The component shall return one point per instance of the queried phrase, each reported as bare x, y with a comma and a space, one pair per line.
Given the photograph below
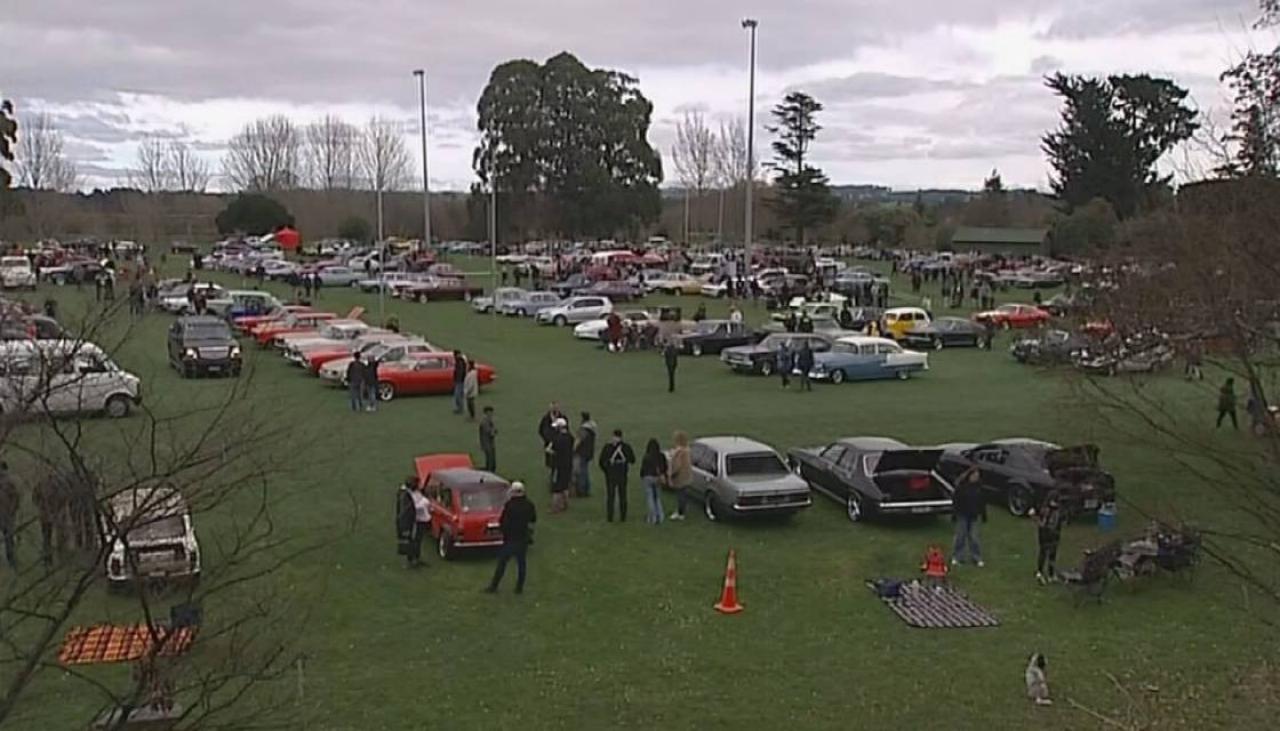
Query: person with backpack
653, 473
616, 459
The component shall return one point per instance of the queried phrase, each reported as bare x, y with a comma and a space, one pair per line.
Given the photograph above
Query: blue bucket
1107, 517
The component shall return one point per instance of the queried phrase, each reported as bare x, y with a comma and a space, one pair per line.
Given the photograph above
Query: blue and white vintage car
863, 358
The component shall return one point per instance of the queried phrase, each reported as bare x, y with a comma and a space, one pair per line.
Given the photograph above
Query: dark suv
203, 344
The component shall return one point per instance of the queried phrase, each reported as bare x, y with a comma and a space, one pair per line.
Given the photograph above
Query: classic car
55, 377
1022, 473
529, 305
713, 336
279, 270
500, 296
150, 535
241, 303
317, 358
616, 291
1034, 279
325, 330
1014, 316
18, 325
293, 323
1143, 353
575, 310
203, 344
565, 287
1052, 347
945, 332
864, 358
72, 271
436, 289
246, 323
815, 310
430, 374
876, 476
715, 288
176, 299
897, 321
386, 281
465, 503
1063, 304
595, 330
761, 357
334, 371
825, 325
737, 476
335, 333
16, 272
675, 283
337, 276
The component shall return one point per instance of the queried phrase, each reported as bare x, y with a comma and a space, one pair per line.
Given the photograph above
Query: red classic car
247, 323
428, 374
465, 503
297, 322
435, 289
1014, 316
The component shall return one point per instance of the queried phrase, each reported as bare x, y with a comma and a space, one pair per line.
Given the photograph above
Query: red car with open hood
466, 503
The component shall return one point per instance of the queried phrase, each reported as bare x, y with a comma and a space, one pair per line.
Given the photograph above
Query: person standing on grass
10, 499
1227, 404
421, 524
516, 524
488, 440
653, 473
471, 389
783, 362
547, 432
804, 364
562, 465
370, 383
735, 315
616, 459
355, 383
671, 356
583, 451
459, 378
680, 473
1049, 523
969, 505
406, 519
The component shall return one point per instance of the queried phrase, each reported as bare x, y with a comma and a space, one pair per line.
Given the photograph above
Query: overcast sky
918, 93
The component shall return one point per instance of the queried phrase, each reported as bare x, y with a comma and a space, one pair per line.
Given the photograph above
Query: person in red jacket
934, 566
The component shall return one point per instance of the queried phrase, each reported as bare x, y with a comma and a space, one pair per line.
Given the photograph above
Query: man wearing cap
518, 516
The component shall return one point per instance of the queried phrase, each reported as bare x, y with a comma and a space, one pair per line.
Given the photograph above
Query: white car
176, 302
594, 329
673, 283
16, 272
501, 296
334, 372
574, 310
54, 377
338, 276
151, 536
336, 334
715, 290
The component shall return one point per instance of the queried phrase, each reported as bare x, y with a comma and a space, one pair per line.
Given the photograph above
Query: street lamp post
493, 228
750, 24
382, 257
426, 182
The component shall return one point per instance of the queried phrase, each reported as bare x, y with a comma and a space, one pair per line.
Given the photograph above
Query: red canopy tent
288, 238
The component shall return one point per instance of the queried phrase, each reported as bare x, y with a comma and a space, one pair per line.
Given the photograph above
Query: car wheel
444, 546
1020, 500
386, 391
937, 344
711, 507
903, 374
853, 508
59, 281
419, 298
560, 321
521, 313
696, 350
766, 368
837, 376
117, 407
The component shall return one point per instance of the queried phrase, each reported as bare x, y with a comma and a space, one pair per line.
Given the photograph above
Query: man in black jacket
406, 518
547, 432
370, 383
459, 376
355, 383
804, 364
616, 459
518, 517
968, 506
671, 355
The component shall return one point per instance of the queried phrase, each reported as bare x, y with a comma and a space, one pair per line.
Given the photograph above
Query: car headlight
235, 351
190, 353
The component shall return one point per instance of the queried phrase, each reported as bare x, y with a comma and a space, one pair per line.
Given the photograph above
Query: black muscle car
944, 332
713, 336
875, 476
1053, 347
1022, 473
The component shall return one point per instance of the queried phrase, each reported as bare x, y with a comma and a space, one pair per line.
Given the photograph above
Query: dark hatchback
200, 344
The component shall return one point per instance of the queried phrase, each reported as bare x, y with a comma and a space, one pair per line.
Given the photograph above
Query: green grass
616, 628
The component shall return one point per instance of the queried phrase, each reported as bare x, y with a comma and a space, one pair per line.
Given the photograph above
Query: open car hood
899, 460
1062, 460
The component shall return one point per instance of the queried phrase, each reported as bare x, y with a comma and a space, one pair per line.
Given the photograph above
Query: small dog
1038, 680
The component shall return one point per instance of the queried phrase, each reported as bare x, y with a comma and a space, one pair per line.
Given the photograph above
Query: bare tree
331, 153
188, 172
384, 158
694, 157
264, 156
41, 160
729, 159
150, 172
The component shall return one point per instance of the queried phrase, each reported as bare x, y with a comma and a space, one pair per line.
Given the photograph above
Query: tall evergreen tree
1255, 119
803, 196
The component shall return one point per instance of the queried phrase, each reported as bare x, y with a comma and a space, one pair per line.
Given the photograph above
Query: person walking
562, 465
784, 361
516, 524
680, 473
616, 459
804, 364
671, 356
355, 383
471, 389
370, 383
653, 473
1227, 403
488, 440
459, 379
9, 502
584, 450
1195, 358
1049, 523
969, 505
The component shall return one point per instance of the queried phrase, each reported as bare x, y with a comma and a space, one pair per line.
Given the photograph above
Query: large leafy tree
574, 136
1113, 133
803, 196
254, 214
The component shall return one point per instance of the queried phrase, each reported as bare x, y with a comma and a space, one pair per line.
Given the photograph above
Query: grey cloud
876, 85
1110, 18
1041, 65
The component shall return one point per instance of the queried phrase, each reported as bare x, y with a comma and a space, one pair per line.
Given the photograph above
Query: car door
706, 468
992, 468
846, 472
821, 469
432, 375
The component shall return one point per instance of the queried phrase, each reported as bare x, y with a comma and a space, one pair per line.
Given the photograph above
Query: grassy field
616, 628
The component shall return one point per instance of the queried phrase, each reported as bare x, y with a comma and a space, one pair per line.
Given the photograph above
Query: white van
151, 536
16, 272
60, 377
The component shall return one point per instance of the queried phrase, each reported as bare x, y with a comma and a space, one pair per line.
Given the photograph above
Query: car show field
616, 627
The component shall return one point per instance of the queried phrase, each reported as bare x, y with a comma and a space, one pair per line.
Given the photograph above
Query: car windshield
773, 342
484, 498
170, 526
209, 331
14, 261
764, 464
706, 327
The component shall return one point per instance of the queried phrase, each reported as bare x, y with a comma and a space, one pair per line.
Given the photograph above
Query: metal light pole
493, 228
426, 181
382, 257
750, 24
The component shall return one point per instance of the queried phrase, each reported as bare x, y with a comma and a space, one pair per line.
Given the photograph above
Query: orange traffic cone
728, 603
